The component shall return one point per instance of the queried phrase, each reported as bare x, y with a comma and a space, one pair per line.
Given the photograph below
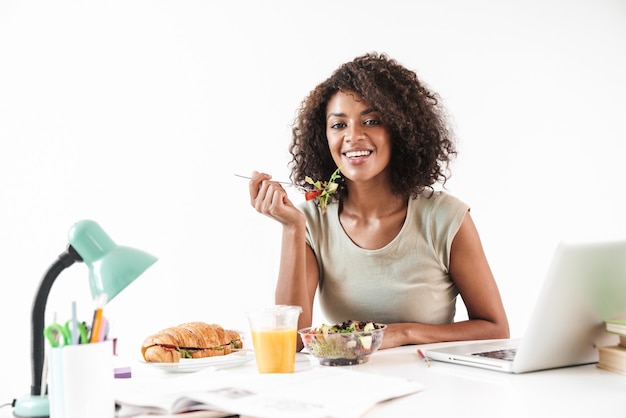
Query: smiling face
358, 139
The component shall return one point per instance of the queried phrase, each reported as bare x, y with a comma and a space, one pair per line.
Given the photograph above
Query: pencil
423, 357
97, 322
97, 319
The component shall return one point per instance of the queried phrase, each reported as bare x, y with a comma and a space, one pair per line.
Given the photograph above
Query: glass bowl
345, 344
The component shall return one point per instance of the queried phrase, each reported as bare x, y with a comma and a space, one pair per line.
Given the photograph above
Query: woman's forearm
291, 286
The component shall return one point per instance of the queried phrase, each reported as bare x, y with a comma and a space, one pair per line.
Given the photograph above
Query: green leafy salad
350, 342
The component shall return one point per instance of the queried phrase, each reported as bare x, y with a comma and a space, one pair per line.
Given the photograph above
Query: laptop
585, 285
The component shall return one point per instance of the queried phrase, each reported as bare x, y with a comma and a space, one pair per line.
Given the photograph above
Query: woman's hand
394, 336
270, 198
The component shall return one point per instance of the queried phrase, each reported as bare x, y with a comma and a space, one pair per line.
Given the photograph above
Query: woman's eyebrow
340, 115
365, 112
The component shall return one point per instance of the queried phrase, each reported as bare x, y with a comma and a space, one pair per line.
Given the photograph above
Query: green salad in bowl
348, 343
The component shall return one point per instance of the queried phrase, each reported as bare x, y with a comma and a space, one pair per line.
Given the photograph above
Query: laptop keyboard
505, 354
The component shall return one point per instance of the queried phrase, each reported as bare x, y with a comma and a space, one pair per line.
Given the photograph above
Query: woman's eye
337, 125
372, 122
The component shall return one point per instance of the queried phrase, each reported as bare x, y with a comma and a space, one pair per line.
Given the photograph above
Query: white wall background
137, 113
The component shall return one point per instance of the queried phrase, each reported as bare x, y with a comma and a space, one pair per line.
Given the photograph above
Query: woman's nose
353, 133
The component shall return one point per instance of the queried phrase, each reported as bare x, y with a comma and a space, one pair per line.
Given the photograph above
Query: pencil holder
81, 381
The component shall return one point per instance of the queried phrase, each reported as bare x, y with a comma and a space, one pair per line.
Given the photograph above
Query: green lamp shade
111, 267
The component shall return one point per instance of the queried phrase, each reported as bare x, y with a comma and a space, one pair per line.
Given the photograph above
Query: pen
104, 325
75, 335
423, 357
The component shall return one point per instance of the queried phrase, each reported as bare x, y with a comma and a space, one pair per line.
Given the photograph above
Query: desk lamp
111, 269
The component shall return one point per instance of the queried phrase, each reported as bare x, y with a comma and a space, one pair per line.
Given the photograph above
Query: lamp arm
69, 257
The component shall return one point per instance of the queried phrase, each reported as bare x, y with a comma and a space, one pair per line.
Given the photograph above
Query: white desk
466, 392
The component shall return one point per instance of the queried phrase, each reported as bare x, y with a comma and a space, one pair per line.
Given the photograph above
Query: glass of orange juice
274, 337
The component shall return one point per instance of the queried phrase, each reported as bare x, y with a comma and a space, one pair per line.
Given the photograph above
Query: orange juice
275, 349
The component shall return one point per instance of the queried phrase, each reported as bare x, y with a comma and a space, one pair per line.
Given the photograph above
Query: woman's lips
355, 154
357, 157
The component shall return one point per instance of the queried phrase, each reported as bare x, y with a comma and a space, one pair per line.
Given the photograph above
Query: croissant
190, 340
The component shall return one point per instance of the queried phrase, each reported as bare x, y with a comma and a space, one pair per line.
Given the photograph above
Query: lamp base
32, 406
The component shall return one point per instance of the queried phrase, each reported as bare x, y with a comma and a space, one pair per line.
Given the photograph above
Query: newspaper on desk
319, 392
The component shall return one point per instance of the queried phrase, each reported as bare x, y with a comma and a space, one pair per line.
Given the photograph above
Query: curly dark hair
422, 142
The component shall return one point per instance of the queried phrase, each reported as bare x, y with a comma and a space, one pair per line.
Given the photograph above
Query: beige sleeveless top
405, 281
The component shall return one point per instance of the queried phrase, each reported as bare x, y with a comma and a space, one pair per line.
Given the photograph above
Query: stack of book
613, 357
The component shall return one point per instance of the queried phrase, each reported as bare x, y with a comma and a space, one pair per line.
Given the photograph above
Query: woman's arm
298, 271
472, 275
297, 277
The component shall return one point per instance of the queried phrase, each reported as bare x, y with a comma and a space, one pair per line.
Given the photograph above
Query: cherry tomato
312, 194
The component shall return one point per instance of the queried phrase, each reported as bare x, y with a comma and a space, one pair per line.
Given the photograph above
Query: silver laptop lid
585, 285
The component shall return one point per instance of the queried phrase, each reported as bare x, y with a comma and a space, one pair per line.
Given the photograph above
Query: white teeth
351, 154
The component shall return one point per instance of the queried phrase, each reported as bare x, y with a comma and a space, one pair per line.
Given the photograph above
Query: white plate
188, 365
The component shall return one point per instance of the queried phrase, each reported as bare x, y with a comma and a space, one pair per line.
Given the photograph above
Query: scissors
61, 335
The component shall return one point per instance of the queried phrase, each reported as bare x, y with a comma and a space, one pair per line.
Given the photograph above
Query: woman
387, 247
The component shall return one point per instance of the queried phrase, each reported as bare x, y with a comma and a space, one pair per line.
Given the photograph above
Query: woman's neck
372, 201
